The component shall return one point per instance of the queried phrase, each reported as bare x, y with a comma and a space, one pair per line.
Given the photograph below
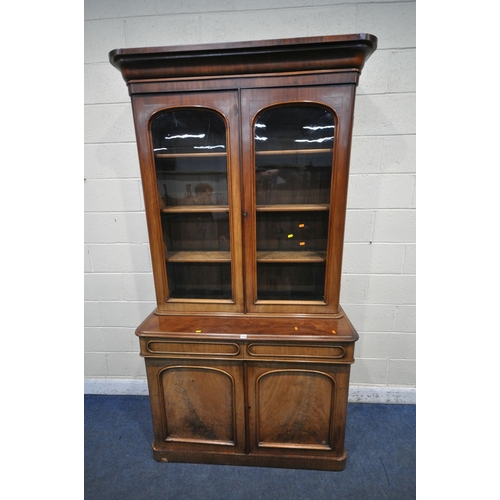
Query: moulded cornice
337, 52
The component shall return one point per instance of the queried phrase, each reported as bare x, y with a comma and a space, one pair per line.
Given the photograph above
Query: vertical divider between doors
243, 202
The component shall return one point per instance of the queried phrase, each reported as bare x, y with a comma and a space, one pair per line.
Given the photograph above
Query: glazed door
295, 161
189, 148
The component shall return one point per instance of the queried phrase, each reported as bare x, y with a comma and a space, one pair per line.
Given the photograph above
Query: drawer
187, 348
300, 352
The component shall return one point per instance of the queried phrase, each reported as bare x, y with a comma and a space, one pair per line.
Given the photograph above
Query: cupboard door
300, 408
293, 169
197, 405
191, 177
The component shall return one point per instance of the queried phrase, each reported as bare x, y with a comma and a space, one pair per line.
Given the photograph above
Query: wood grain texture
252, 327
245, 365
240, 58
199, 404
294, 409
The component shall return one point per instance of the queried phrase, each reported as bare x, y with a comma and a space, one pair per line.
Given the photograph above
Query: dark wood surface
254, 327
240, 58
243, 206
278, 404
241, 380
247, 390
145, 107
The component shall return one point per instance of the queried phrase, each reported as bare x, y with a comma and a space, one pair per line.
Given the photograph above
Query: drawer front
258, 351
300, 352
168, 348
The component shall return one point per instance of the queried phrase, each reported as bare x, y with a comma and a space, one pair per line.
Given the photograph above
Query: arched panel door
294, 222
297, 407
199, 404
305, 398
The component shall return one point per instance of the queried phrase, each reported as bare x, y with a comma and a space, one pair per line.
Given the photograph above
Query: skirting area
357, 393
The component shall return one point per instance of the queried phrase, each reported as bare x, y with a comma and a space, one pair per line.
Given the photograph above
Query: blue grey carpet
380, 443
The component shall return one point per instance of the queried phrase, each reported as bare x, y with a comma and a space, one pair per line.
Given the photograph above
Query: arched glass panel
190, 157
191, 171
293, 147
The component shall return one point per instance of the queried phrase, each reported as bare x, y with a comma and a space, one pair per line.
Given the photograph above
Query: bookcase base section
267, 399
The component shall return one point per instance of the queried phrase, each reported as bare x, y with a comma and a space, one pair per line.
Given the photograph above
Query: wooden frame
228, 376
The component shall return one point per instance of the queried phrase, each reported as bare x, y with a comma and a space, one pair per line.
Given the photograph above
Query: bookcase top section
325, 53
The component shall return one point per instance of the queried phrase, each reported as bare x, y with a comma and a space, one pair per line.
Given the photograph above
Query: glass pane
291, 252
292, 231
290, 281
293, 155
188, 130
196, 231
293, 166
198, 280
190, 157
191, 171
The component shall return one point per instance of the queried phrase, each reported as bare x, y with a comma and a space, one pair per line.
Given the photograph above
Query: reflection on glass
188, 130
189, 147
293, 155
190, 157
293, 175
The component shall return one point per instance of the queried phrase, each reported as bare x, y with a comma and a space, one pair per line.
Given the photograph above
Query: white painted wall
378, 287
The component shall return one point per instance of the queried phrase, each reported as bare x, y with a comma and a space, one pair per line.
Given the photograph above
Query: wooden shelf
190, 155
289, 207
293, 152
294, 257
199, 256
301, 256
189, 209
191, 174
